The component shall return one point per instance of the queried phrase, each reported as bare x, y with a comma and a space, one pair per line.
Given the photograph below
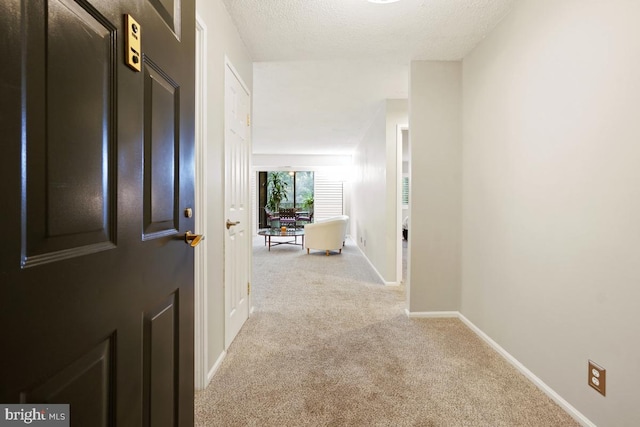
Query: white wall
340, 163
551, 200
433, 265
222, 39
369, 192
374, 199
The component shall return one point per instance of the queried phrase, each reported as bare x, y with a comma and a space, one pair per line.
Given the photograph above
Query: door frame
399, 143
249, 233
201, 315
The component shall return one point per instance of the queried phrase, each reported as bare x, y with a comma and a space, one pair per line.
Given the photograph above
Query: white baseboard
573, 412
373, 266
215, 367
430, 314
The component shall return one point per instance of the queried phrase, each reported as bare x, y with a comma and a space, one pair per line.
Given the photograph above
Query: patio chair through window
287, 217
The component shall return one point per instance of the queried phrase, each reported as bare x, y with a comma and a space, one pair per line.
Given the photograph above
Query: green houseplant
276, 189
307, 202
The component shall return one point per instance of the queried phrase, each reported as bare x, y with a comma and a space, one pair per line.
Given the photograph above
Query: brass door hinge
248, 120
248, 288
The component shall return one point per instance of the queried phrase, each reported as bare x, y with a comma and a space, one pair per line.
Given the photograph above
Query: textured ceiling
323, 66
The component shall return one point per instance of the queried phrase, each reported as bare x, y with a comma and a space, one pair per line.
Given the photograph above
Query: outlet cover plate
597, 378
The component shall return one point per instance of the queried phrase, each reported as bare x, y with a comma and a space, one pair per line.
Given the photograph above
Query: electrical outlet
597, 378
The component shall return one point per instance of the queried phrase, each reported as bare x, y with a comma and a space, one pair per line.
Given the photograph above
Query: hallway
328, 344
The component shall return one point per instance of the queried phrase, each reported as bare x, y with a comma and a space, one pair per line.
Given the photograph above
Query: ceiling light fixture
382, 1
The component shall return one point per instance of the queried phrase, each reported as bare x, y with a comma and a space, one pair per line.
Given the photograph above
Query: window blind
405, 191
328, 198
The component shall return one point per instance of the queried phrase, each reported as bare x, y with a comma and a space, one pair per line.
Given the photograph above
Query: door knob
232, 223
193, 239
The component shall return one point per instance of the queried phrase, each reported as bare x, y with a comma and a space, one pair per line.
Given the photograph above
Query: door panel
161, 148
169, 11
69, 96
78, 119
96, 281
160, 367
87, 382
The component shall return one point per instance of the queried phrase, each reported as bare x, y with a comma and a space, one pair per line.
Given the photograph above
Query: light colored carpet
329, 345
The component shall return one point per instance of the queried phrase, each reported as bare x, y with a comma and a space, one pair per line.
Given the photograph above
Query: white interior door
236, 251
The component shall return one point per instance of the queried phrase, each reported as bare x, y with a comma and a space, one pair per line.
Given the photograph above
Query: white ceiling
323, 67
319, 107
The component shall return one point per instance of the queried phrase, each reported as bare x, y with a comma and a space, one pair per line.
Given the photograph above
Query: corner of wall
435, 185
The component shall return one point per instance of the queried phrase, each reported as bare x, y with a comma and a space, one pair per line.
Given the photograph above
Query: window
303, 189
405, 191
320, 193
294, 189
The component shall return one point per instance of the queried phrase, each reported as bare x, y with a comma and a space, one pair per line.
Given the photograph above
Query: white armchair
326, 235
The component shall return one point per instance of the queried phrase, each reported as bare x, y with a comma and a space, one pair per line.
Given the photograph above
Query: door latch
193, 240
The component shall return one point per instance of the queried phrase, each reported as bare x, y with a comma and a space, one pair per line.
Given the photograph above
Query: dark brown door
96, 171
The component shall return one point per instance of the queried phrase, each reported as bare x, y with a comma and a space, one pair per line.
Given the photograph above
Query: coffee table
275, 232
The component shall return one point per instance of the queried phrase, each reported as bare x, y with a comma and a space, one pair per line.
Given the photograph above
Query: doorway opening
403, 174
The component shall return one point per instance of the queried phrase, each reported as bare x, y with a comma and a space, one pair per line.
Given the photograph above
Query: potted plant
307, 203
277, 190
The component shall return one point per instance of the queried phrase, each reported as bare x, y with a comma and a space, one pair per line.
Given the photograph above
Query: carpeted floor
329, 345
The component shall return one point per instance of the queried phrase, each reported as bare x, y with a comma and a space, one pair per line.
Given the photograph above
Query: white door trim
201, 342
